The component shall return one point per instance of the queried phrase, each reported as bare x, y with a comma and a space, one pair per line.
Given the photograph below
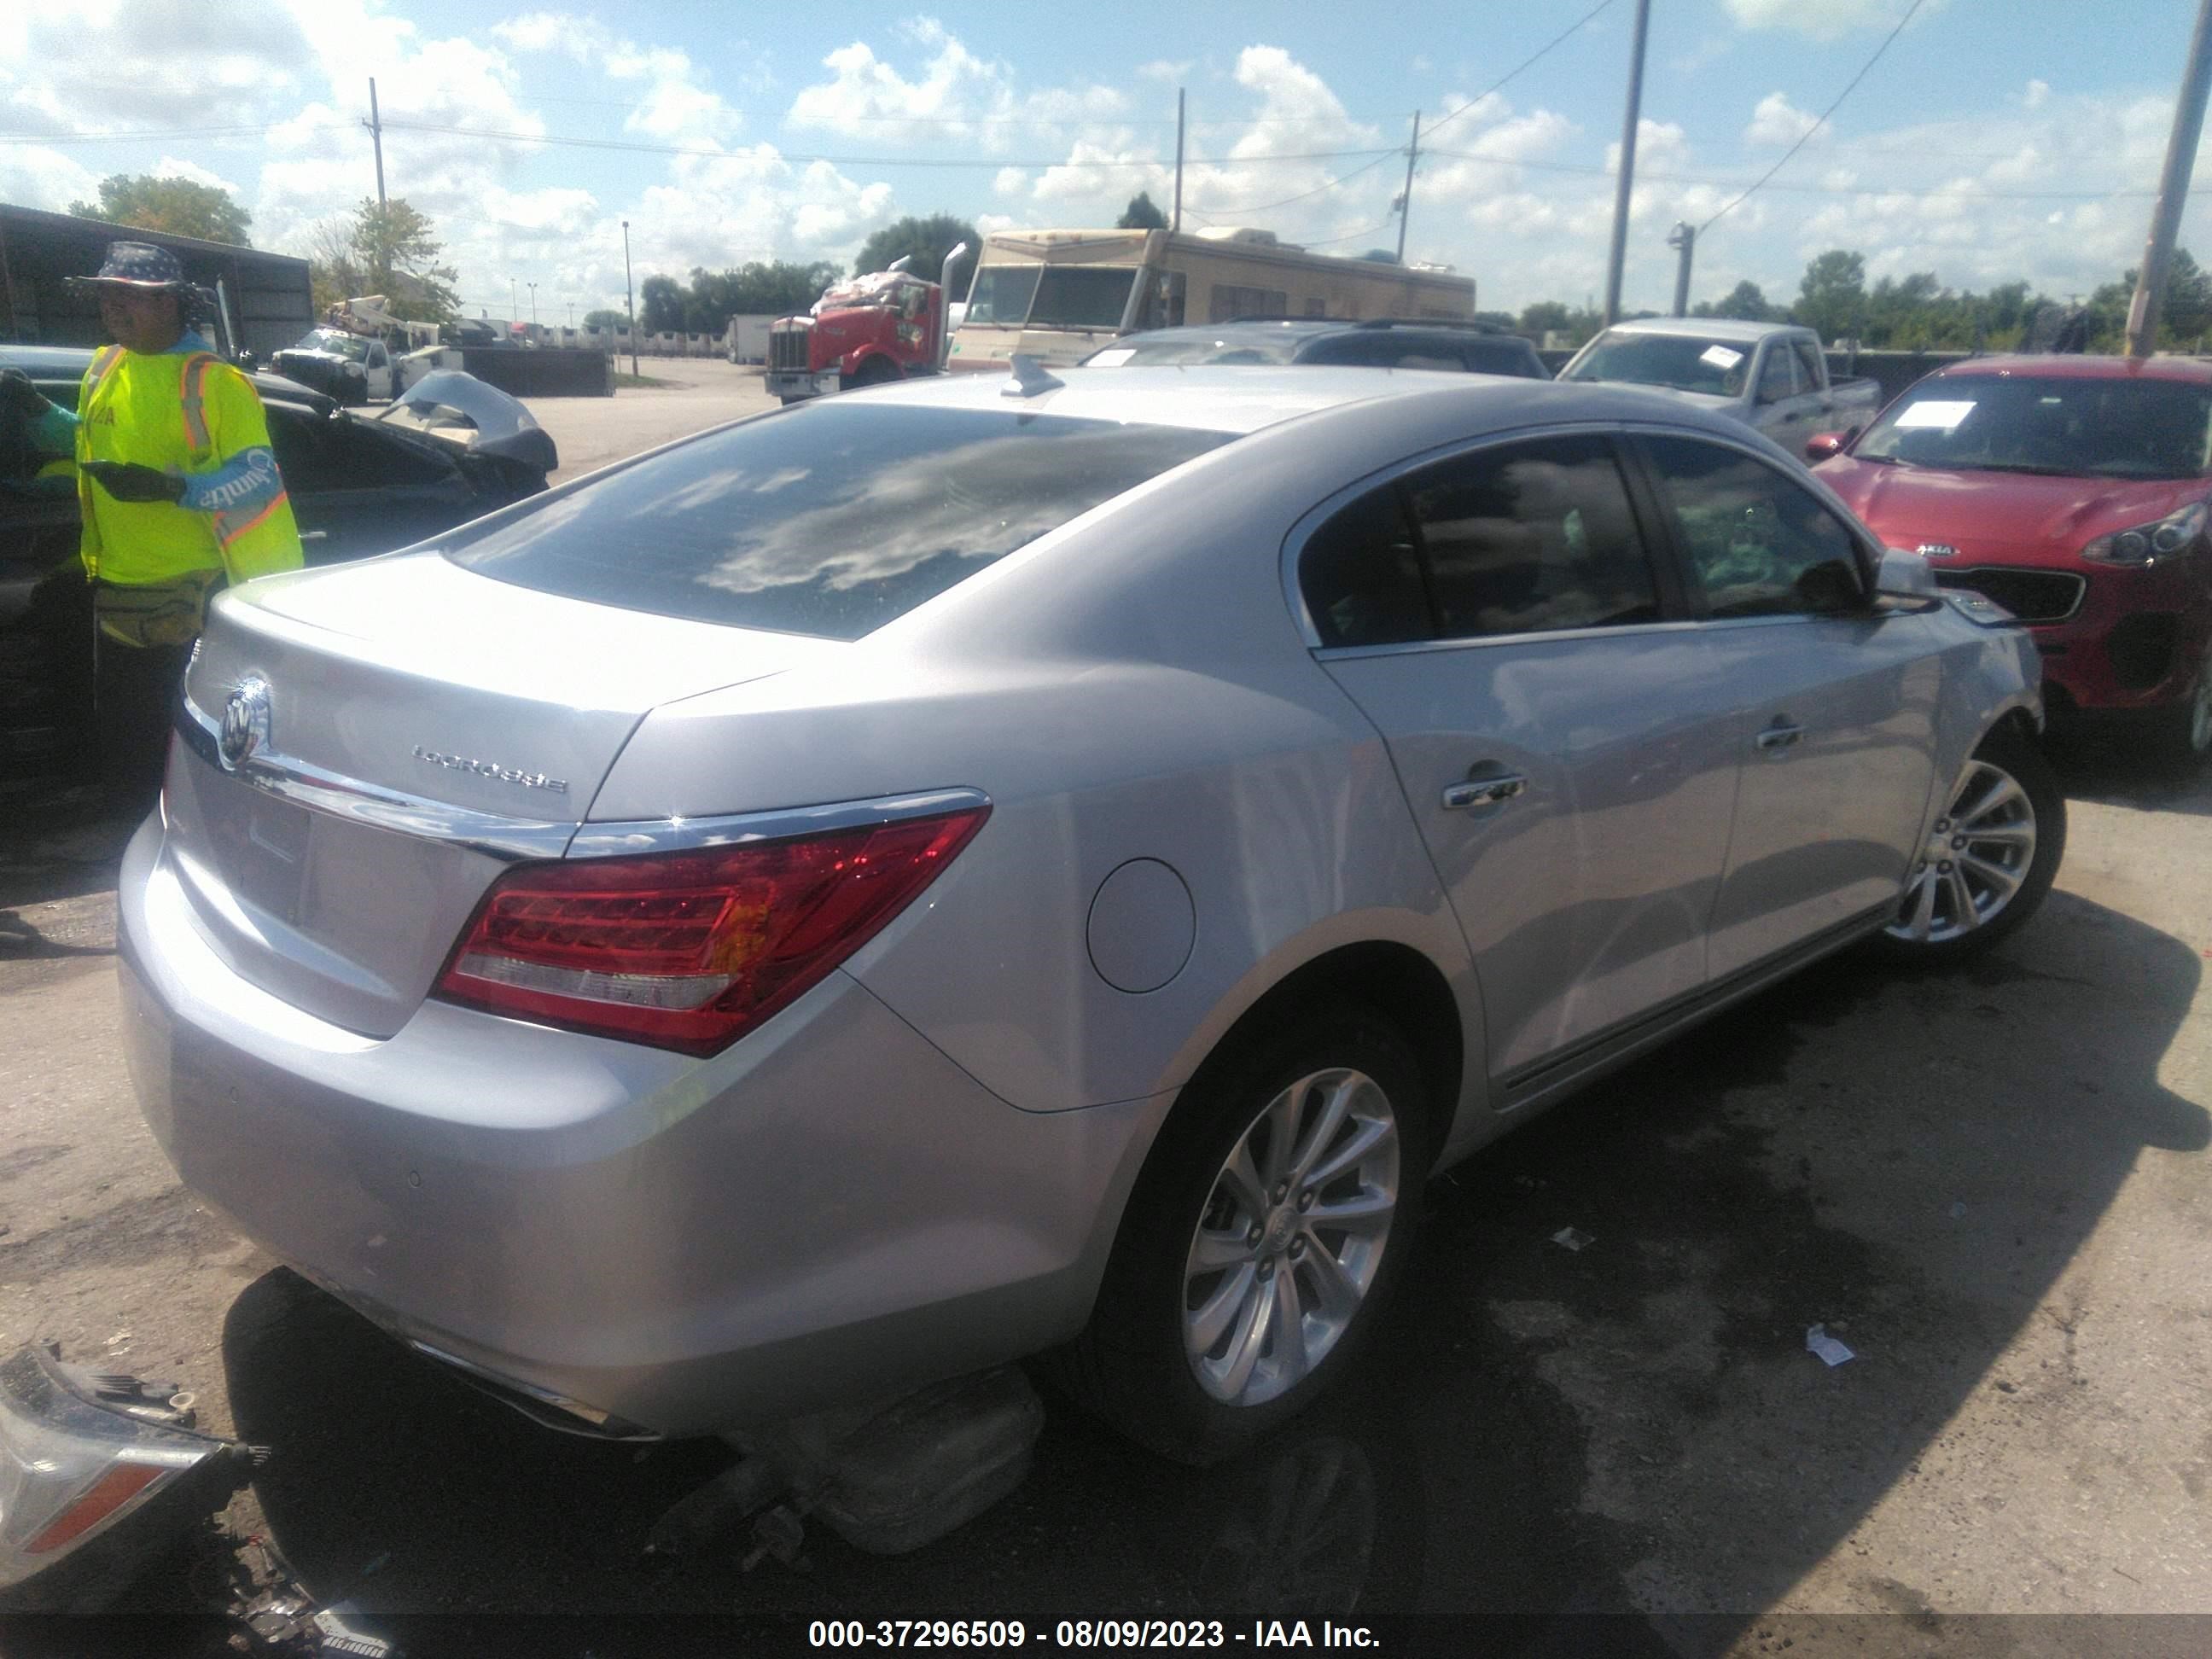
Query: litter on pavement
1573, 1238
1832, 1352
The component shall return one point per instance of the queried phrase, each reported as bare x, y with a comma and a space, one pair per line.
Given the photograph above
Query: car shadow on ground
2106, 764
1632, 1428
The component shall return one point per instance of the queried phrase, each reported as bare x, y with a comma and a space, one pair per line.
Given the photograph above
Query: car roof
2066, 366
1245, 398
1702, 328
70, 362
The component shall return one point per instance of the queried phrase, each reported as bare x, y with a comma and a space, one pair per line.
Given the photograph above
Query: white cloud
36, 176
1824, 19
2038, 95
1779, 123
1164, 70
170, 168
864, 93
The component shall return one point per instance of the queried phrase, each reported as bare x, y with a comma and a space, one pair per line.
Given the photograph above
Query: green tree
1831, 296
660, 306
1549, 316
928, 240
334, 269
605, 318
2184, 319
1745, 302
1142, 214
177, 206
398, 253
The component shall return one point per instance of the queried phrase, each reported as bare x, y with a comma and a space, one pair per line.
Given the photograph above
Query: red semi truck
885, 326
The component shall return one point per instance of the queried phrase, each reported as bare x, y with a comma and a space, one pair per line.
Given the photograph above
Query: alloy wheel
1291, 1237
1977, 856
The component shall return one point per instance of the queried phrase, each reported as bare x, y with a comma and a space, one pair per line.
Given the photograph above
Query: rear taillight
691, 951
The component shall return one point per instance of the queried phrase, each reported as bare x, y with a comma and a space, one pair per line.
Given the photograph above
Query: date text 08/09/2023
1084, 1633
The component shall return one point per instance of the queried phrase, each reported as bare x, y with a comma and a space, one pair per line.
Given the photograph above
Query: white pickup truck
1768, 376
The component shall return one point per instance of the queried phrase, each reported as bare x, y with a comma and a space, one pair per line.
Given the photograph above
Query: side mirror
1826, 446
1905, 575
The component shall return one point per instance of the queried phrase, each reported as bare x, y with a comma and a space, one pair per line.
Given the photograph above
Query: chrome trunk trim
323, 790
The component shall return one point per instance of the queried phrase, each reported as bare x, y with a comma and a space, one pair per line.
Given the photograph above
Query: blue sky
1992, 143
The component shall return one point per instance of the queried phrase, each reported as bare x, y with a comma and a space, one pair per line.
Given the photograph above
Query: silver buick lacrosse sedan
995, 868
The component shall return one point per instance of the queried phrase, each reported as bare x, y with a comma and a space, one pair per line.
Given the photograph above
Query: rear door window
1521, 539
1531, 538
831, 518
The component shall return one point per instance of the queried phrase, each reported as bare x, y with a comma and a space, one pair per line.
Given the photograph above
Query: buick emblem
1936, 550
246, 722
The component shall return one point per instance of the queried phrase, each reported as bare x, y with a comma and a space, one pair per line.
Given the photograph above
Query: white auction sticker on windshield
1720, 357
1112, 359
1931, 413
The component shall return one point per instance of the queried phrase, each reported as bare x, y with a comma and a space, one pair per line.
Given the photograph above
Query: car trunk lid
415, 728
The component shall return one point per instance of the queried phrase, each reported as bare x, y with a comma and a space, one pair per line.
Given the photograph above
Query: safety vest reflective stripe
230, 526
191, 393
106, 360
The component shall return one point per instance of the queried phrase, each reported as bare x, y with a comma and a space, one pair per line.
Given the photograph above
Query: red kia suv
2072, 491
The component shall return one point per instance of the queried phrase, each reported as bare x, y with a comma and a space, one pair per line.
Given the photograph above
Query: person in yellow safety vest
179, 492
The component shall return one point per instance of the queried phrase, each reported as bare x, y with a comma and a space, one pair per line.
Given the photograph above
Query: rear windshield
2069, 427
831, 519
1143, 350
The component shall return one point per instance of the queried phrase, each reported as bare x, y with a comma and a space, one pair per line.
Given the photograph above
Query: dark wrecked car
449, 450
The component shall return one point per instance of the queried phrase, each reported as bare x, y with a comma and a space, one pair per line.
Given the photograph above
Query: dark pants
134, 699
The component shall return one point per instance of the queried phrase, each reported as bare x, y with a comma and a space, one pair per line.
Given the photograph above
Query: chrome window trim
1491, 641
1301, 532
321, 790
680, 834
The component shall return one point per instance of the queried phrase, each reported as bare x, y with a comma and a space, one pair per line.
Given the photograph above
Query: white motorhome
1058, 295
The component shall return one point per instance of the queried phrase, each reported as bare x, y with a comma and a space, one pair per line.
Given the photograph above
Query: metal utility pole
1613, 262
1406, 201
1684, 237
630, 298
1176, 222
532, 286
2173, 191
375, 125
514, 299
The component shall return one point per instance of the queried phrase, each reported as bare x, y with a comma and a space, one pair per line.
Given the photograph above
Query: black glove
127, 481
18, 397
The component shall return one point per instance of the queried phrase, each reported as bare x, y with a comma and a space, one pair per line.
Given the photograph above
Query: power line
1823, 119
1262, 207
1528, 63
802, 158
1940, 193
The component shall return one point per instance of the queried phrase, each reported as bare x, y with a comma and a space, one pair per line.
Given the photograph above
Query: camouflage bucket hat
137, 264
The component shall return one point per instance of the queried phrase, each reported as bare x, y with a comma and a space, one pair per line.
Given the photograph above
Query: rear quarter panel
1129, 687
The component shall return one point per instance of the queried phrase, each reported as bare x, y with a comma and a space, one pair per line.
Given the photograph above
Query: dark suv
1385, 342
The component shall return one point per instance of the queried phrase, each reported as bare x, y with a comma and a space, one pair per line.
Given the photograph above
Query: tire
1186, 1358
2180, 734
1991, 859
876, 371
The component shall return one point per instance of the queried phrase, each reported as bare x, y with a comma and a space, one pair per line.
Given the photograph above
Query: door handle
1778, 737
1494, 790
314, 535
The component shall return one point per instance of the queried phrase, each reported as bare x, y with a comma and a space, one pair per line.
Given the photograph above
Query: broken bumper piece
97, 1473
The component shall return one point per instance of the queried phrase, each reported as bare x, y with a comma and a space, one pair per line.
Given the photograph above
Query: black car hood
455, 406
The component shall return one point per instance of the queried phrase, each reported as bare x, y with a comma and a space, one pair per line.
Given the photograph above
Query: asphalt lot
1991, 1186
698, 392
